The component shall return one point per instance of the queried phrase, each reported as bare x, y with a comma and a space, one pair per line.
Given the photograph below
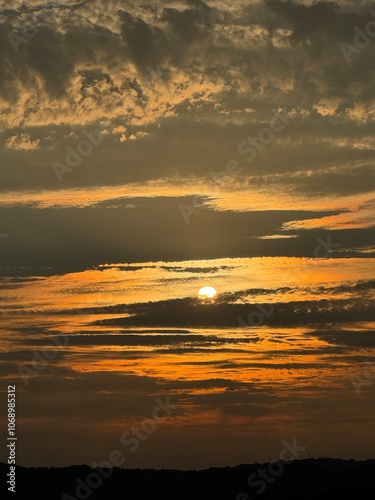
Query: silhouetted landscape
310, 479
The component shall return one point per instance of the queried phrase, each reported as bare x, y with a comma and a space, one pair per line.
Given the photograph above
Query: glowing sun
207, 292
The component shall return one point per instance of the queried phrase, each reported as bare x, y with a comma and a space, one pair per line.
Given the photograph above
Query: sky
149, 149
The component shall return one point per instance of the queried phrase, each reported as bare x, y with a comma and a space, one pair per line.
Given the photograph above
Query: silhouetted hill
320, 479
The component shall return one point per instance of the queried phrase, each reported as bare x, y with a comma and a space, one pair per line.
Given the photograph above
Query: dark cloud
353, 287
73, 239
144, 340
349, 338
315, 19
146, 44
189, 25
191, 313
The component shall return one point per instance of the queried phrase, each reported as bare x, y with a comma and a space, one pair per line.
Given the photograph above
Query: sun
207, 293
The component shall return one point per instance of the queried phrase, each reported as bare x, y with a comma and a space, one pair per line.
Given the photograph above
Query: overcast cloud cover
177, 88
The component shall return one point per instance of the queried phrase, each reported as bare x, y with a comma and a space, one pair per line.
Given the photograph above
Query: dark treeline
320, 479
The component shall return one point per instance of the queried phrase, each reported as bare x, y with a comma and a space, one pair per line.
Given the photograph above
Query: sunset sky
149, 149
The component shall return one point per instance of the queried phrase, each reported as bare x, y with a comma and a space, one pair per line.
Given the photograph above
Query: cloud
154, 340
347, 337
175, 89
21, 142
171, 74
190, 313
123, 231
